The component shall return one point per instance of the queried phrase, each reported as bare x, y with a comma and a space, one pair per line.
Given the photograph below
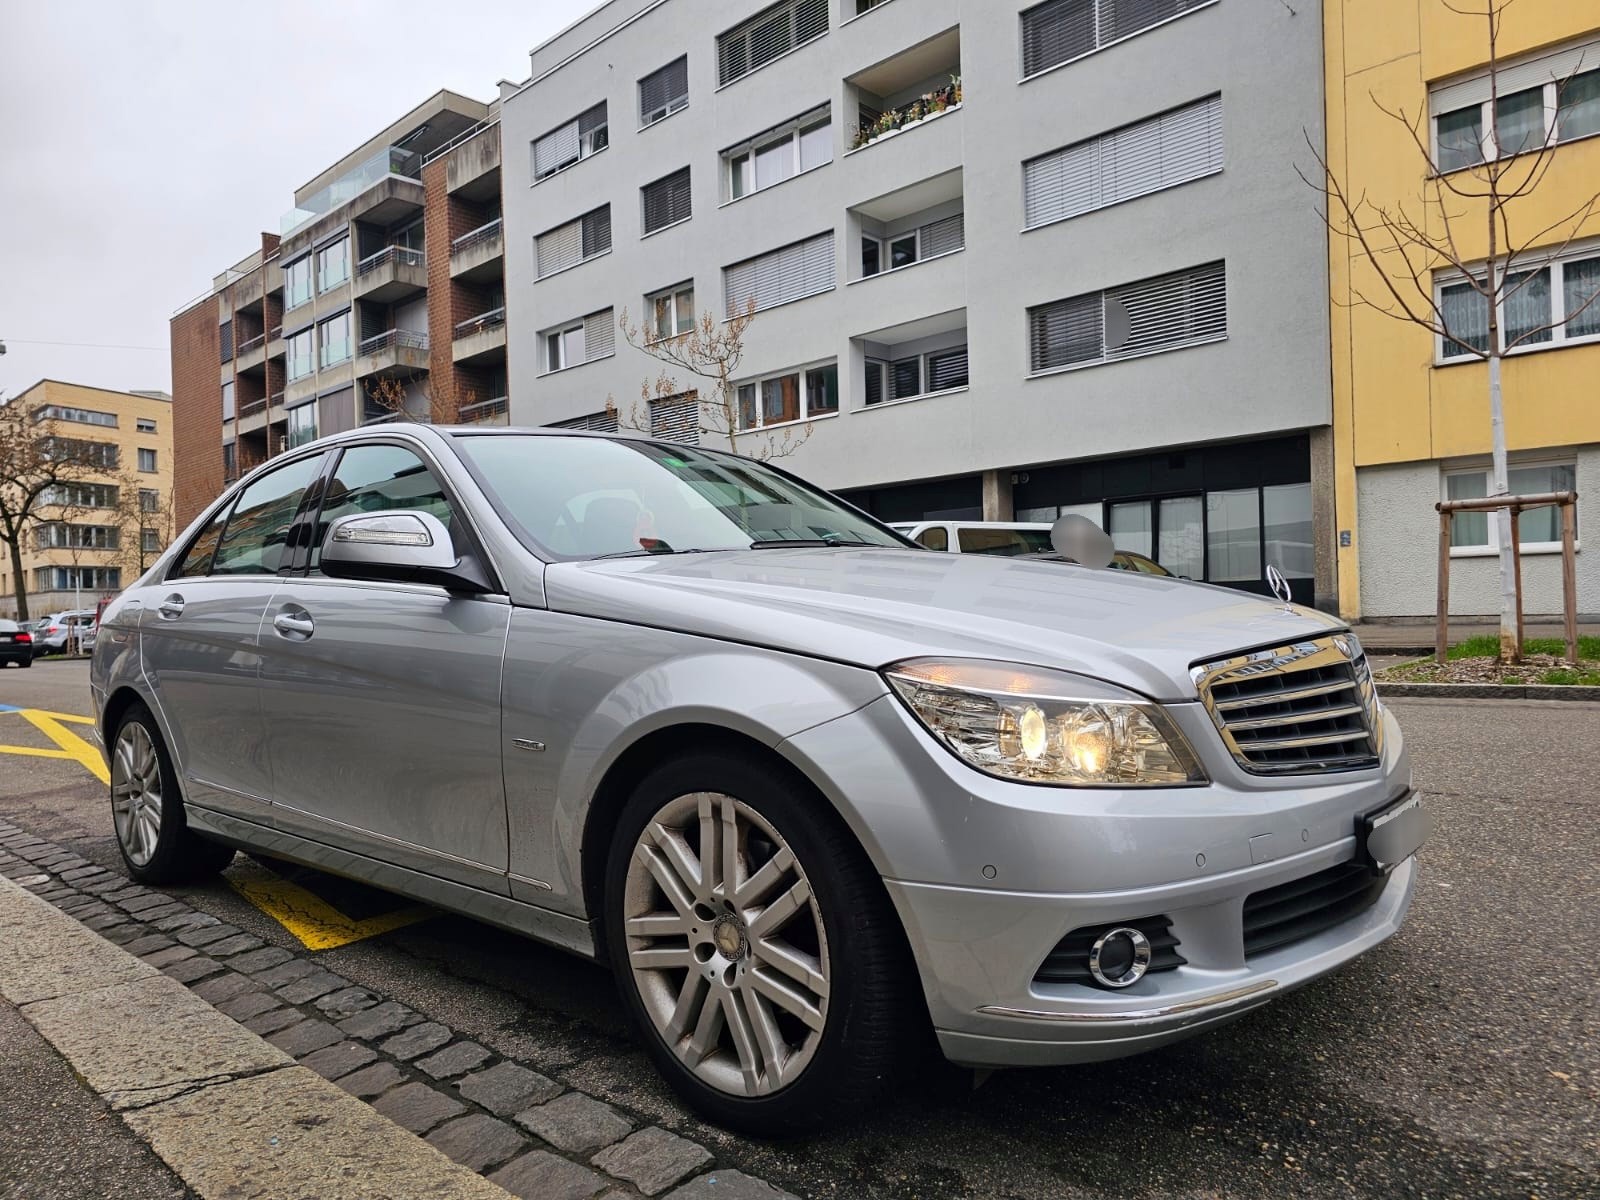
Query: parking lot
1461, 1058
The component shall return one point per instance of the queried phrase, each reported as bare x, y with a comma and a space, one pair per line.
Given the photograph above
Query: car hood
873, 607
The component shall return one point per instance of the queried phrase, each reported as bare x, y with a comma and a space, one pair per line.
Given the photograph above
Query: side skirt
558, 929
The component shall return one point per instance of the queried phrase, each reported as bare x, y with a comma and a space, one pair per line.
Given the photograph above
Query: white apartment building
1006, 260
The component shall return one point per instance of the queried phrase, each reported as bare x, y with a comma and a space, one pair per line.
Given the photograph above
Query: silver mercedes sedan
810, 790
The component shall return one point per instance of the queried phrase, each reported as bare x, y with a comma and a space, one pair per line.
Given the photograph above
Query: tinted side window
256, 541
197, 558
379, 479
935, 537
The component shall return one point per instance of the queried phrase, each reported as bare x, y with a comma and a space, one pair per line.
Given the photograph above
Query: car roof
977, 524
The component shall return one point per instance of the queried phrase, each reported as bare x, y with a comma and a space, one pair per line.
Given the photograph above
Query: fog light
1119, 957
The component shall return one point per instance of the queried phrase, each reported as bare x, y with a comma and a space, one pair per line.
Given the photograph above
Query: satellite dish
1080, 539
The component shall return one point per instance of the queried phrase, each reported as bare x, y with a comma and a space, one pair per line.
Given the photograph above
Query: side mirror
398, 547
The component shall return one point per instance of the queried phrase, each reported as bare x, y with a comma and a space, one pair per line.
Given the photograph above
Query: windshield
585, 497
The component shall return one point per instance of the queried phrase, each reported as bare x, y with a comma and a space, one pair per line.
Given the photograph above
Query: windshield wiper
659, 548
791, 543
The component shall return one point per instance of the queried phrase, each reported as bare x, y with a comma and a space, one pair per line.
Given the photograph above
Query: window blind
1530, 72
676, 418
1160, 152
569, 244
664, 91
666, 201
1183, 308
600, 422
1059, 31
943, 236
568, 143
769, 34
599, 335
947, 369
788, 273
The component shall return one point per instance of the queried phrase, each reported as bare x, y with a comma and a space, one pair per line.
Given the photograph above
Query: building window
79, 495
150, 498
663, 92
769, 34
230, 462
1059, 31
1159, 152
666, 201
80, 579
1185, 308
60, 535
302, 426
671, 312
791, 396
575, 242
101, 456
225, 341
150, 540
81, 416
301, 351
572, 142
1556, 305
579, 342
916, 375
1538, 528
604, 421
147, 460
676, 418
778, 154
789, 273
1543, 100
227, 401
145, 424
944, 236
334, 337
297, 282
333, 264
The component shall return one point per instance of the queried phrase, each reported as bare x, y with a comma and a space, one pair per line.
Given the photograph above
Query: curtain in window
1527, 307
1580, 286
1519, 122
1466, 316
1578, 113
1541, 524
1460, 137
1468, 528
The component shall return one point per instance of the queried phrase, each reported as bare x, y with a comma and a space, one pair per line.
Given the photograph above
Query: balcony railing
251, 407
395, 339
931, 104
274, 333
250, 344
275, 400
401, 256
482, 233
481, 322
391, 160
484, 410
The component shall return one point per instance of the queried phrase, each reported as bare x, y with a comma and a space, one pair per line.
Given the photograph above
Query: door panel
382, 709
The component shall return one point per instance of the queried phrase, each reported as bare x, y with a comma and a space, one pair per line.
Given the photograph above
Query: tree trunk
15, 546
1510, 644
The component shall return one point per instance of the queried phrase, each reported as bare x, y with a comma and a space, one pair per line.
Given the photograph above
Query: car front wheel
147, 809
755, 946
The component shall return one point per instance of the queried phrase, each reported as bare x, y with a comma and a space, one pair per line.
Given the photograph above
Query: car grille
1069, 961
1296, 710
1305, 907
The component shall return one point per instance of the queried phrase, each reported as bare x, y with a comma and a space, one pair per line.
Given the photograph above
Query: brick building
381, 297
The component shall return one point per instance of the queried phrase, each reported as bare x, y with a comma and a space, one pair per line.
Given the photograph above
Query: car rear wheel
147, 809
756, 950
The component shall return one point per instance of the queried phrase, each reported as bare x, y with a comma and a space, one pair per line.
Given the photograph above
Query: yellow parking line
72, 745
70, 718
312, 920
34, 751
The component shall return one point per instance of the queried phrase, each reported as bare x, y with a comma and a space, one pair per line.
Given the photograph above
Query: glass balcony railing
391, 160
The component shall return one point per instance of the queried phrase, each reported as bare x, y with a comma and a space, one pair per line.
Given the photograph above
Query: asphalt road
1460, 1059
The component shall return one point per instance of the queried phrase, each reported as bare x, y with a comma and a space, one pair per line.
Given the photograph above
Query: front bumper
989, 875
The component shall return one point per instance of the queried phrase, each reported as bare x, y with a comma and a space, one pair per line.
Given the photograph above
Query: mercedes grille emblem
1280, 587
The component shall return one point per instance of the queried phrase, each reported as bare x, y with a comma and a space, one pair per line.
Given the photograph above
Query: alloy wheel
136, 793
726, 944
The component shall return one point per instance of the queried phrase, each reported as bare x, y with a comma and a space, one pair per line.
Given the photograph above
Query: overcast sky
145, 145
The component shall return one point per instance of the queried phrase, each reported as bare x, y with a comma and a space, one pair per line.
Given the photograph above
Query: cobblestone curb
530, 1134
1488, 691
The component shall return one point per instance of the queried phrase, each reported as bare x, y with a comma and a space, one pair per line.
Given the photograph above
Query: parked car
62, 632
1010, 539
809, 790
1121, 560
16, 644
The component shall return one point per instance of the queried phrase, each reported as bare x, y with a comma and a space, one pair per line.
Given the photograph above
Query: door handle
294, 625
171, 608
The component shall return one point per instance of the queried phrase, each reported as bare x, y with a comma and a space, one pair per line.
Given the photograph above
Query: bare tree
35, 461
710, 351
1405, 242
140, 509
391, 395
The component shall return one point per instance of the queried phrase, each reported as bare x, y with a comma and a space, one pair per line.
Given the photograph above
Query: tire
746, 1044
147, 809
25, 663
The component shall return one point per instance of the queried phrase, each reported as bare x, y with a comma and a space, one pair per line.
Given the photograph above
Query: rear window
9, 627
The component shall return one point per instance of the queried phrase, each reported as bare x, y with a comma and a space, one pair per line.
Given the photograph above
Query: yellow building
1411, 410
99, 533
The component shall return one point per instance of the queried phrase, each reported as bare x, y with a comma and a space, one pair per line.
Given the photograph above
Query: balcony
485, 412
481, 337
251, 354
394, 352
912, 88
906, 227
402, 169
913, 360
391, 274
276, 346
479, 254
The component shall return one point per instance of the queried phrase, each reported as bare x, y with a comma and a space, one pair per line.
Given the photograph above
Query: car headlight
1042, 726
